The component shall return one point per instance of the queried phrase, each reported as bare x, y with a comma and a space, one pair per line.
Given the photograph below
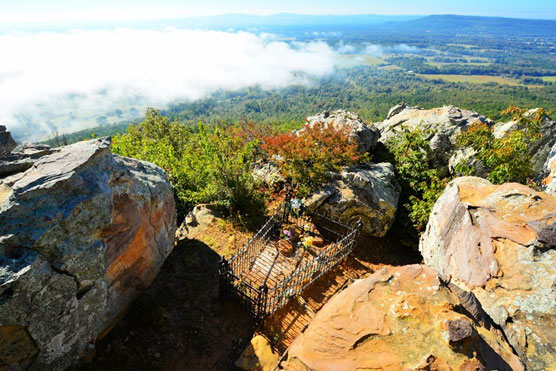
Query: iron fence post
224, 277
263, 294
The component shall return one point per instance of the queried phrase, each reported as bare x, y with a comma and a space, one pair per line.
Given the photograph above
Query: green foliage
420, 182
203, 164
506, 159
306, 159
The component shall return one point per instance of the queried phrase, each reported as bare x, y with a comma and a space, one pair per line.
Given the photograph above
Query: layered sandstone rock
400, 318
499, 242
366, 192
366, 135
82, 233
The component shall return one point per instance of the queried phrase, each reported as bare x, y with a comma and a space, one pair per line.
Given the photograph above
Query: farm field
473, 79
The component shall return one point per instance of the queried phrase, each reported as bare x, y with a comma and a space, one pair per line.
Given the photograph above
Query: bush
420, 182
307, 157
204, 165
506, 159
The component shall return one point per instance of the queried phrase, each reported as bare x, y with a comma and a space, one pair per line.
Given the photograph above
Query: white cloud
47, 74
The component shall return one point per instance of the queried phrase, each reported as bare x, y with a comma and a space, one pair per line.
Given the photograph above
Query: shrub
203, 164
307, 157
506, 159
420, 182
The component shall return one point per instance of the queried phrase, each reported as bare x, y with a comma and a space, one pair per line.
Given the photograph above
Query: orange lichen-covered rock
500, 243
82, 233
400, 318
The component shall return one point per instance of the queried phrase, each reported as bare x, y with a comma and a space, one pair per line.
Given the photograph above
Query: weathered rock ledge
499, 242
82, 233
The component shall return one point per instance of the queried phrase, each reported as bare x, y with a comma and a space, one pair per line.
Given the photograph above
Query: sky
23, 11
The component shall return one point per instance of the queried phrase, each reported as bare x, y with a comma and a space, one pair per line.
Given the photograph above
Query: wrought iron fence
262, 299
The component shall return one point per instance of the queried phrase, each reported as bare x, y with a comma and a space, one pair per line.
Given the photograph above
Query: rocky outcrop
539, 150
7, 143
366, 135
400, 318
499, 243
549, 173
82, 233
258, 356
17, 162
444, 123
268, 173
367, 192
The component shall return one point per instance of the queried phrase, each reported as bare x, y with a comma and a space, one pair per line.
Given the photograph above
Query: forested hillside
368, 90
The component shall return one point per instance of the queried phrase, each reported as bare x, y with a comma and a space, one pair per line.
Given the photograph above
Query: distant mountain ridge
475, 25
446, 24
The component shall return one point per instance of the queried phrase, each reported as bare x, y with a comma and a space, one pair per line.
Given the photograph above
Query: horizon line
42, 21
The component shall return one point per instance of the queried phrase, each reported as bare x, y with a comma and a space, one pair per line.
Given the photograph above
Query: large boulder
499, 242
539, 150
366, 135
367, 192
549, 173
444, 122
82, 233
7, 143
400, 318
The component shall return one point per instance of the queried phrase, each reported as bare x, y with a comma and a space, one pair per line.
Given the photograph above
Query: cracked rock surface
499, 243
399, 318
82, 233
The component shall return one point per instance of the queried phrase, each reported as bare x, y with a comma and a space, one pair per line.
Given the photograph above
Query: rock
13, 164
7, 143
398, 318
17, 162
396, 109
549, 173
458, 330
539, 150
499, 242
258, 356
368, 192
197, 221
268, 173
366, 135
82, 233
17, 349
35, 150
203, 215
447, 121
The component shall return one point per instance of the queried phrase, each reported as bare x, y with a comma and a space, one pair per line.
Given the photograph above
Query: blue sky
16, 11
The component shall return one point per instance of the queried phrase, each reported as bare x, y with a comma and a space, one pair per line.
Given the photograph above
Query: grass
473, 79
549, 78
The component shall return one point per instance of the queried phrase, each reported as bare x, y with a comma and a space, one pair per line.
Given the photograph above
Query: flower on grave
308, 242
307, 227
287, 234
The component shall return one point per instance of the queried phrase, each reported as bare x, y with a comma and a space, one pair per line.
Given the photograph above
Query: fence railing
261, 300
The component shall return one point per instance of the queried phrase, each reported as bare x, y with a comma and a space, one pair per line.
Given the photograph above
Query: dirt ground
179, 323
